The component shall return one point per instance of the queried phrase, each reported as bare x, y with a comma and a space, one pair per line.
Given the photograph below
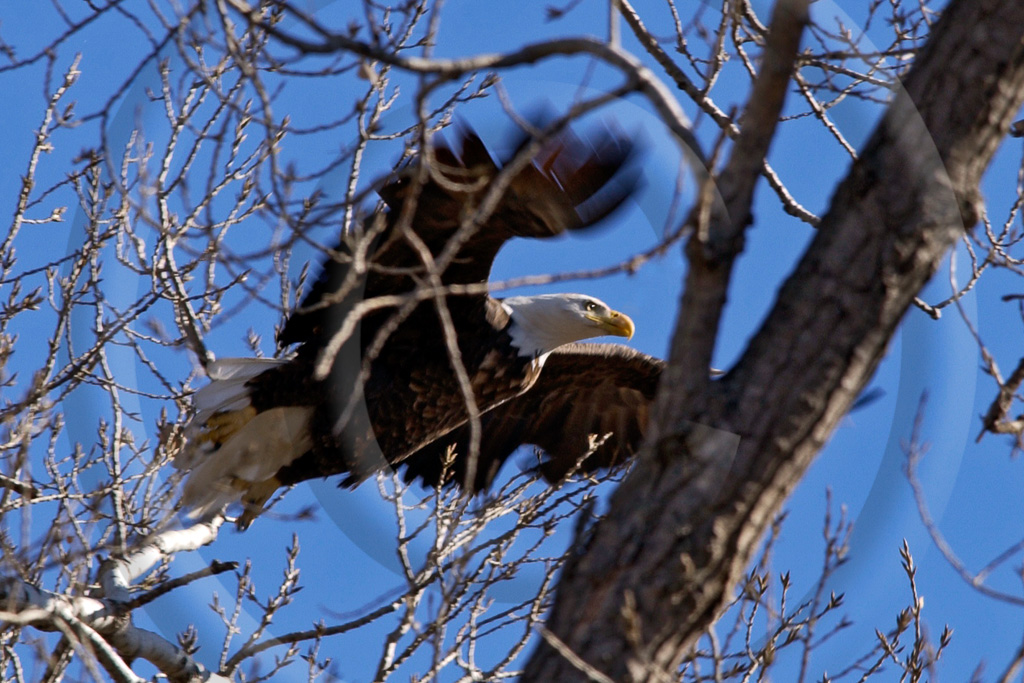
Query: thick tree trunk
683, 527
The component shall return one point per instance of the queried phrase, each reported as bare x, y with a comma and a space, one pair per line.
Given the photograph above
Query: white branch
104, 620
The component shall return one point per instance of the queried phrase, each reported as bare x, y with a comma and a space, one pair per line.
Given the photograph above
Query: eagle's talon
254, 499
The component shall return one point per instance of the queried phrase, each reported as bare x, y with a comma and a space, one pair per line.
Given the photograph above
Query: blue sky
972, 488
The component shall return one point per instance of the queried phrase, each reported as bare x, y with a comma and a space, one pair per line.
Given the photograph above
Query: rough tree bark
724, 456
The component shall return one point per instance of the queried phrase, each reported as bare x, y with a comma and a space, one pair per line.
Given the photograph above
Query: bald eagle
397, 352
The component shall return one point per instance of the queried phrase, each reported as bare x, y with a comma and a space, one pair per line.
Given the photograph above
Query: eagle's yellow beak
615, 323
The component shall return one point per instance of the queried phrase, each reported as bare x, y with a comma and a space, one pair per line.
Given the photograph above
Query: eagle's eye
590, 306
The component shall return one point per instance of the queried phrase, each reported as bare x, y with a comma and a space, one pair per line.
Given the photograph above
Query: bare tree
234, 139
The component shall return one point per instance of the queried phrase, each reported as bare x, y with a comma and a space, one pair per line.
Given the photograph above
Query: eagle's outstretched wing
585, 392
570, 185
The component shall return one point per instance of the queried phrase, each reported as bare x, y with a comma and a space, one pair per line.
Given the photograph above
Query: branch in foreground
104, 620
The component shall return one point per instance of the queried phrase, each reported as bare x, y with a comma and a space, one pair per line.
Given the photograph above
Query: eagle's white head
540, 324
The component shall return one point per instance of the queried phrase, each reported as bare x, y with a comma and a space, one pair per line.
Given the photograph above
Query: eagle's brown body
400, 383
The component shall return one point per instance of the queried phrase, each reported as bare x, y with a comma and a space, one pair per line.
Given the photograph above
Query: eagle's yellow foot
255, 498
222, 426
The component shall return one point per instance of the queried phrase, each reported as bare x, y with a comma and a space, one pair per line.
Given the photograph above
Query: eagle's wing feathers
585, 392
571, 185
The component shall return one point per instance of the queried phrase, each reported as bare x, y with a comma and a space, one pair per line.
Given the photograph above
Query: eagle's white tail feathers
219, 474
244, 368
225, 393
227, 390
265, 444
